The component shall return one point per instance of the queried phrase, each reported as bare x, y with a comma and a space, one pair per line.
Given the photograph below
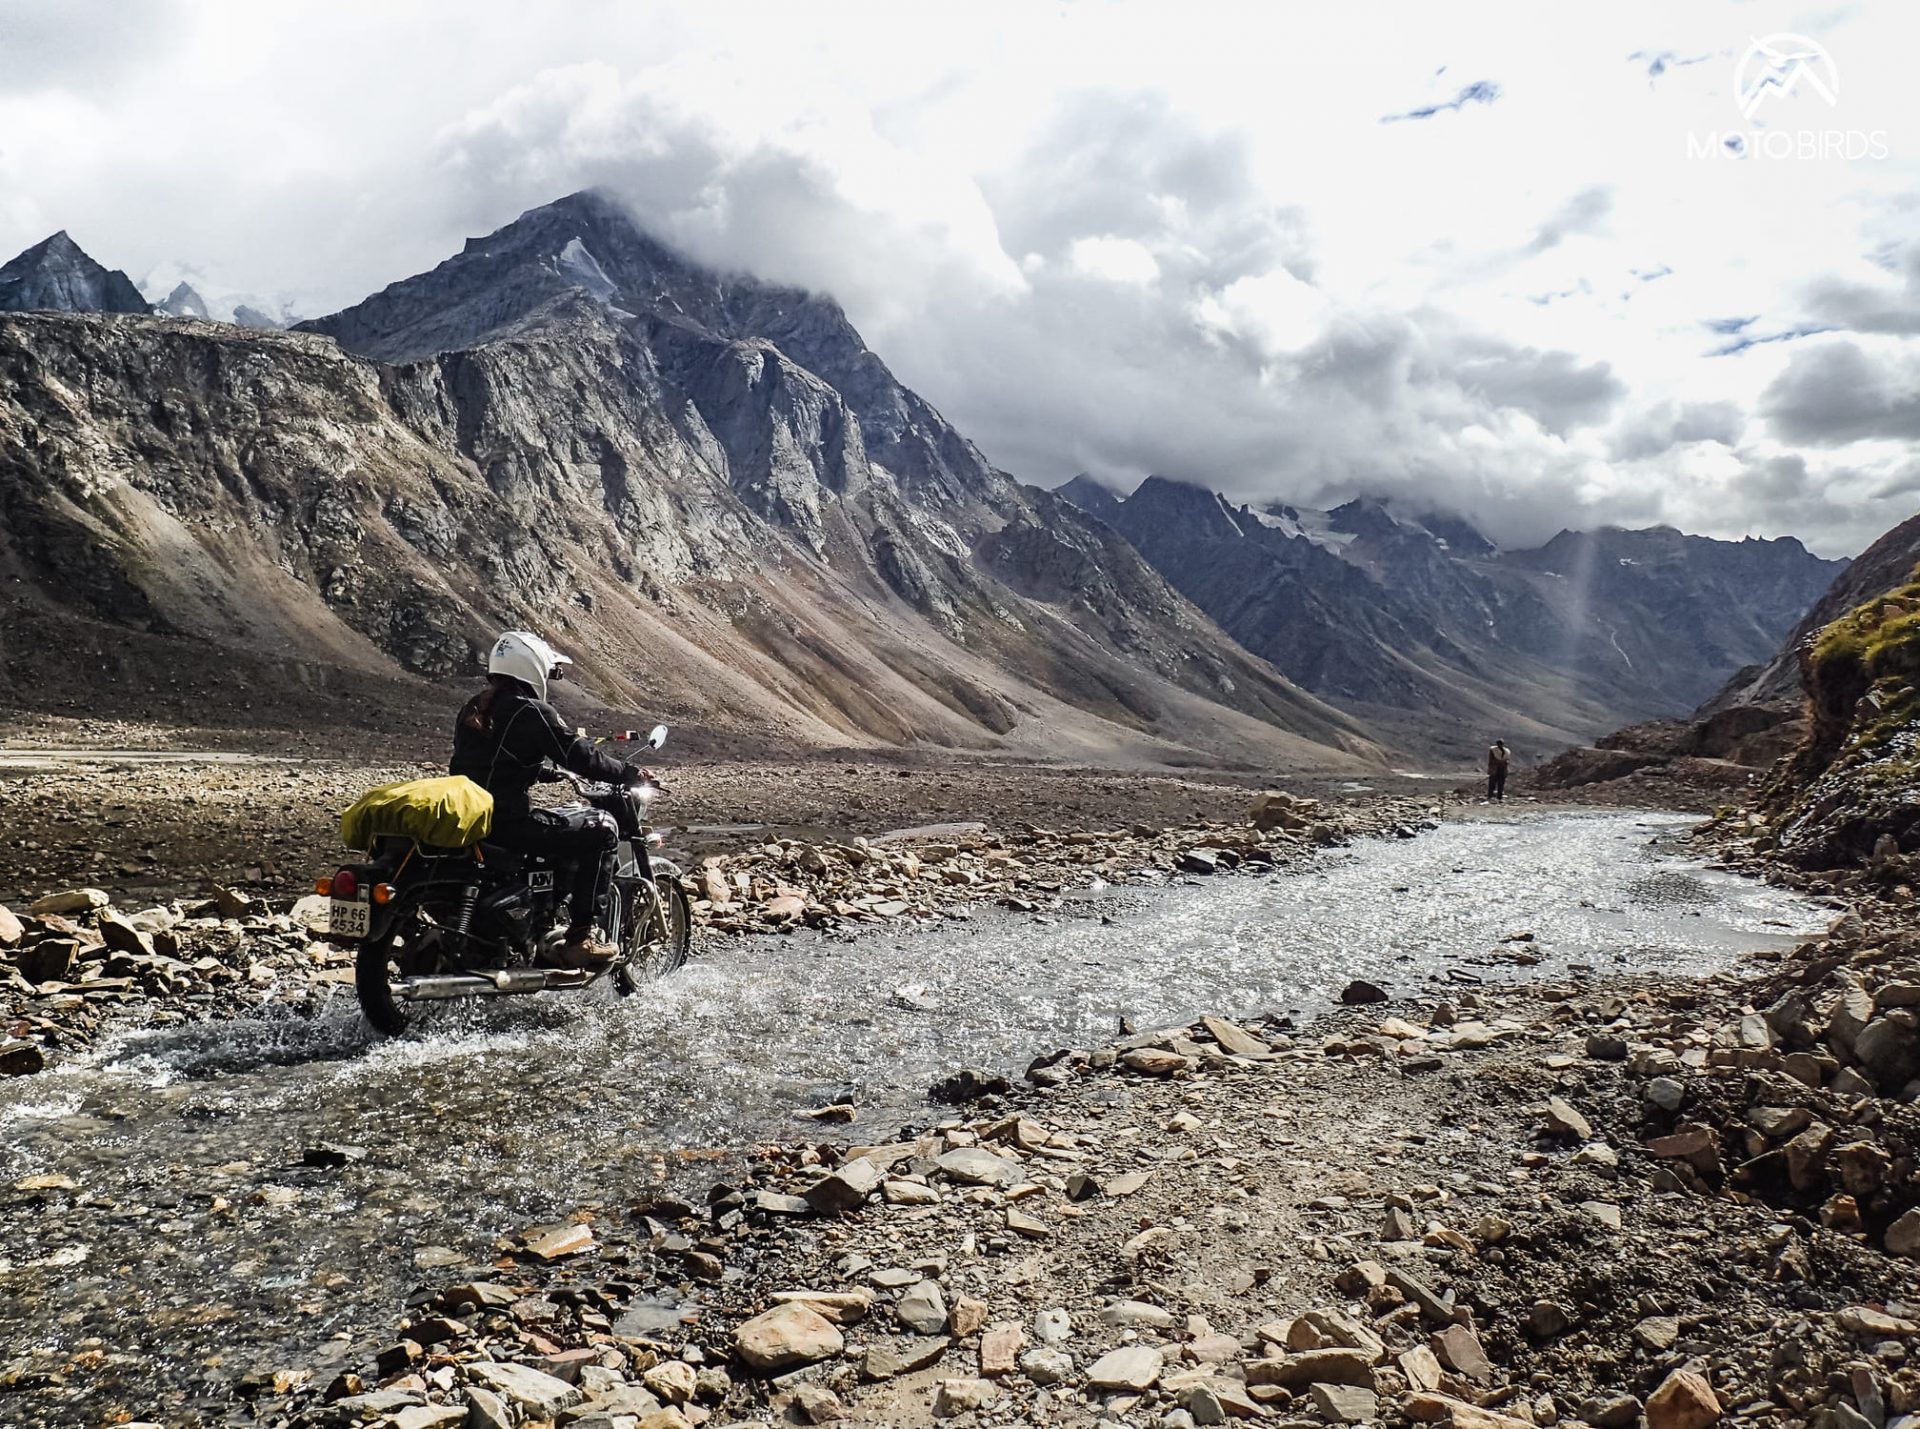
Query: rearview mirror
657, 737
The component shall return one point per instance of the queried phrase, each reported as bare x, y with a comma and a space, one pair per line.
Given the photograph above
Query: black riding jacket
504, 737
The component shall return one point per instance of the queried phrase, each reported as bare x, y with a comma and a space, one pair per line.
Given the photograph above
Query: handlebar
649, 789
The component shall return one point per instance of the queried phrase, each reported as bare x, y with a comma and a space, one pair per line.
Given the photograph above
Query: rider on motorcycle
503, 741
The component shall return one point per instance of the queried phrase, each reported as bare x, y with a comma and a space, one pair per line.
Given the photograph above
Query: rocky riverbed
118, 808
1659, 1204
72, 964
218, 1224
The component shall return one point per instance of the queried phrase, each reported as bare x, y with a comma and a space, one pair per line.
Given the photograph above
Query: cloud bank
1121, 240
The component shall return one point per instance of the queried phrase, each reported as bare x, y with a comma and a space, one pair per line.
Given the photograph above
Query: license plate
347, 918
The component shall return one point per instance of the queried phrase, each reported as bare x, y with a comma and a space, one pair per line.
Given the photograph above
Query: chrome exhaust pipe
506, 982
431, 989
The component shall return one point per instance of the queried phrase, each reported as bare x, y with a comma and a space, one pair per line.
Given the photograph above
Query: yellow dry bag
453, 812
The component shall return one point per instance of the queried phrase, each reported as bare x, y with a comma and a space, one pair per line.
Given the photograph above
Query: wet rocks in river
969, 1084
1220, 1162
789, 882
560, 1241
20, 1058
234, 952
182, 961
1360, 992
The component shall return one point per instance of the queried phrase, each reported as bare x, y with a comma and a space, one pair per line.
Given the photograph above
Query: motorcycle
432, 924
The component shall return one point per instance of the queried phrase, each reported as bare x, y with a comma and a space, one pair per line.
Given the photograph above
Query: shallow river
520, 1111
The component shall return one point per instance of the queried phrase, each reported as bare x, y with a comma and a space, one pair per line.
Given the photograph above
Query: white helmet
528, 659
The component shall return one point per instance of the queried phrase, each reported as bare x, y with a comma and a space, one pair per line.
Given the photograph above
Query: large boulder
923, 1309
786, 1337
1683, 1401
845, 1189
1887, 1047
976, 1166
72, 900
1277, 809
1131, 1367
538, 1393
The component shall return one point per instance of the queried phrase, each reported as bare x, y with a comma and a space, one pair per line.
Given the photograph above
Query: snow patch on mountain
576, 261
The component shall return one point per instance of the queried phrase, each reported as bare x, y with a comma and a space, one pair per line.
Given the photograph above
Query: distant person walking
1497, 759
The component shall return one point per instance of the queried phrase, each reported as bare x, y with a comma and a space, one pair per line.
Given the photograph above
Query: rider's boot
585, 950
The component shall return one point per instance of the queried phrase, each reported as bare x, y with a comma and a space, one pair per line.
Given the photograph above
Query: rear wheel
406, 946
656, 933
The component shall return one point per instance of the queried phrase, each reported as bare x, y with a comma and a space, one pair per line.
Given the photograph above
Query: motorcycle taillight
346, 883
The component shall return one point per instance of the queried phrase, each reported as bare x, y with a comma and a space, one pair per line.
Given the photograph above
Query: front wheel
656, 933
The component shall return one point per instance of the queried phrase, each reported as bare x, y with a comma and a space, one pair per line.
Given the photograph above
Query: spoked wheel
656, 933
409, 946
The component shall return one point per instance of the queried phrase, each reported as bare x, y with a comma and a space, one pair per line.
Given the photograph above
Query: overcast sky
1468, 255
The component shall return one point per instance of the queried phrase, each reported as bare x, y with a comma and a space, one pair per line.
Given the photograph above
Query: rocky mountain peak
1463, 538
1363, 516
57, 275
183, 302
1094, 497
1422, 624
533, 275
1199, 511
588, 241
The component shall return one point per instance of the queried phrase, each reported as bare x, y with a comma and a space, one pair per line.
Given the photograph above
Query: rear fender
414, 891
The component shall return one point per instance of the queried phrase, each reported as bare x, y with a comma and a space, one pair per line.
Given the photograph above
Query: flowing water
197, 1246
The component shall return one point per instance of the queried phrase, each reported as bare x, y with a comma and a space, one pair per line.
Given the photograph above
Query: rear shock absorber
463, 920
